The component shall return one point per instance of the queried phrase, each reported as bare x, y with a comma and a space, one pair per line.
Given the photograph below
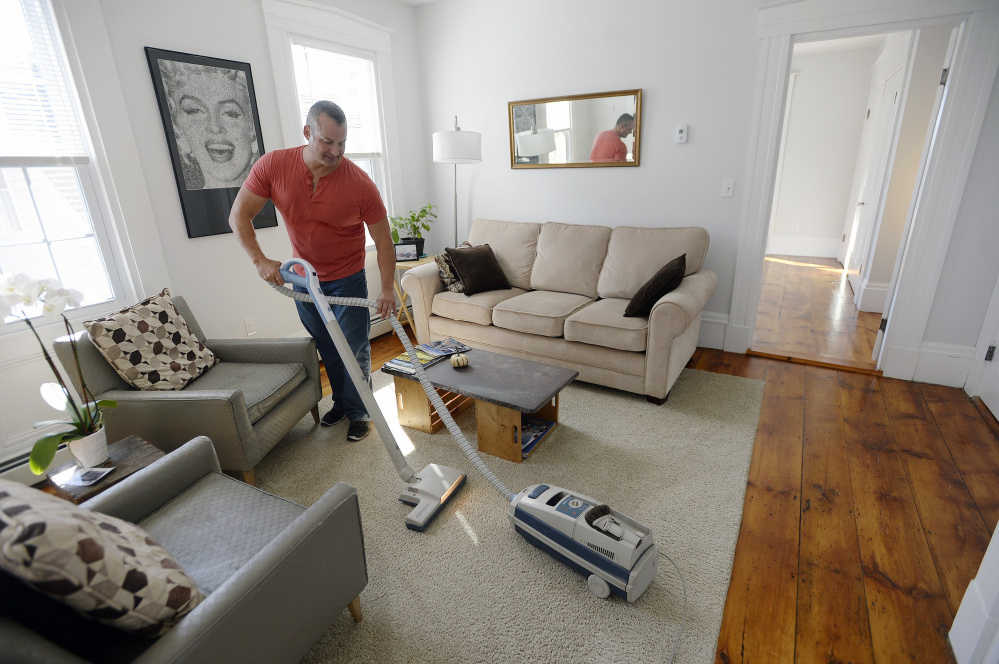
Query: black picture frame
209, 111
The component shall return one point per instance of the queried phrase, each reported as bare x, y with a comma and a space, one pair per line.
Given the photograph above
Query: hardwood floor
806, 312
869, 506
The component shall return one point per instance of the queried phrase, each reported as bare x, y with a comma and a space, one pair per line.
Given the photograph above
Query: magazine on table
444, 347
532, 431
402, 363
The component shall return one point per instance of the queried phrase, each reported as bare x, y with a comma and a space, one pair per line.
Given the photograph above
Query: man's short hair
327, 108
626, 118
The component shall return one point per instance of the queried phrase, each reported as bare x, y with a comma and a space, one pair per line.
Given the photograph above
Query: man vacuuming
325, 201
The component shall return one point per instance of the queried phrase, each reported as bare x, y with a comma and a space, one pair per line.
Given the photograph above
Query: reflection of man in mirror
213, 123
608, 145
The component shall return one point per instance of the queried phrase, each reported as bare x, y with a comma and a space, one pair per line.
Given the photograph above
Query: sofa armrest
674, 315
422, 283
169, 419
138, 496
271, 351
275, 607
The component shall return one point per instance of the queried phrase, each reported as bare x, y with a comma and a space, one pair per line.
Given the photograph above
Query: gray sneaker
358, 430
335, 416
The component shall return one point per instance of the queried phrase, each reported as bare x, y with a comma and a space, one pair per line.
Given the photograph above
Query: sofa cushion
634, 255
218, 524
150, 345
569, 258
476, 308
603, 324
478, 269
105, 568
263, 385
446, 271
514, 243
538, 312
662, 282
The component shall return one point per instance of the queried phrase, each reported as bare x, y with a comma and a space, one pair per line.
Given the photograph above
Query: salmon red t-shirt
326, 228
608, 146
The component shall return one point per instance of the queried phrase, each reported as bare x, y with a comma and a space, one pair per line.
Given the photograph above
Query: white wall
826, 122
971, 268
696, 64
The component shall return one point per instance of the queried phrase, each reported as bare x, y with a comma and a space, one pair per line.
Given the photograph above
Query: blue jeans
356, 324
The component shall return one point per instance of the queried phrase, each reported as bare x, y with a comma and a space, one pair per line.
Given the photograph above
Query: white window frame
94, 198
324, 27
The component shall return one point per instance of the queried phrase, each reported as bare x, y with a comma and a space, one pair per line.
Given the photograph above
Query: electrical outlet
251, 326
728, 188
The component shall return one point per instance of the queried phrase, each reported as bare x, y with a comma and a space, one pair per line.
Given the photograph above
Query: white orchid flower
26, 289
73, 297
54, 305
50, 284
55, 396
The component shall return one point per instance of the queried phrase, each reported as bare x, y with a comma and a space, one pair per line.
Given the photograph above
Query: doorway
857, 119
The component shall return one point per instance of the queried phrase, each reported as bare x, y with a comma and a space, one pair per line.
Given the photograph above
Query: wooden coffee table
502, 388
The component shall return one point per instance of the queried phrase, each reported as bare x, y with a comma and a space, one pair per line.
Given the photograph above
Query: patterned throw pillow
151, 346
105, 568
447, 272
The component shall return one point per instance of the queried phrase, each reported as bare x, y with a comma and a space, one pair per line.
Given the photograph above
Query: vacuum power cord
421, 375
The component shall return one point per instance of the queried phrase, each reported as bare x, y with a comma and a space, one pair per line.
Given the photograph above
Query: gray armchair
275, 574
246, 403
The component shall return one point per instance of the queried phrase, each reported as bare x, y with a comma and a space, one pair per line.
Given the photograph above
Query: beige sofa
570, 287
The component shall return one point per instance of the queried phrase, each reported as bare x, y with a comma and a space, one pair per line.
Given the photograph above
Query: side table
401, 267
128, 456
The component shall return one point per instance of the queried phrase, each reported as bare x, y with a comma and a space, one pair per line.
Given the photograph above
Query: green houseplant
411, 226
18, 293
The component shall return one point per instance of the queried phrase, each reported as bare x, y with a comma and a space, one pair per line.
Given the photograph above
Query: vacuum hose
421, 375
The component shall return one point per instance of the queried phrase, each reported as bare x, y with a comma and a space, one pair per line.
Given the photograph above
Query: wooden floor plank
832, 623
759, 627
732, 364
908, 612
954, 528
971, 443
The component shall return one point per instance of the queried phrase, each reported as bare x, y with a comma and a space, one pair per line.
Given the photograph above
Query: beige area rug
470, 589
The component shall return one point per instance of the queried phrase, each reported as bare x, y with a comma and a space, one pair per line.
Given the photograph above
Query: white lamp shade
532, 145
457, 147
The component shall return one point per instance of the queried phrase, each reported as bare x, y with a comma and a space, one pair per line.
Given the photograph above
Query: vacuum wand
434, 485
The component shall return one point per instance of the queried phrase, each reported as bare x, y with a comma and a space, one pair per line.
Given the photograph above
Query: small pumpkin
459, 360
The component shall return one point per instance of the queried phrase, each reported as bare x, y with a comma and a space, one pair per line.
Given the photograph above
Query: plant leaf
44, 451
45, 423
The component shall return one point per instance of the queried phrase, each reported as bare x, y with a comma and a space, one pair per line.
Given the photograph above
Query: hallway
806, 313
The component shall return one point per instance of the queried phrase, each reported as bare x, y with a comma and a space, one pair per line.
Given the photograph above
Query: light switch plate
681, 133
728, 188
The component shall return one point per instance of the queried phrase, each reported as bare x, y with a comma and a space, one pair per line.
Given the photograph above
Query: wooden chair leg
657, 401
355, 608
315, 413
249, 477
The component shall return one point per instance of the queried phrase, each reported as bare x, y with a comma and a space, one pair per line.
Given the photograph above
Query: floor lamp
457, 147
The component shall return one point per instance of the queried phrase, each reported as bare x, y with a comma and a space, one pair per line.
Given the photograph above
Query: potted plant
409, 229
84, 431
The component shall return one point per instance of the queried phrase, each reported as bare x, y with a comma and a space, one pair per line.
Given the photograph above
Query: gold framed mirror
576, 131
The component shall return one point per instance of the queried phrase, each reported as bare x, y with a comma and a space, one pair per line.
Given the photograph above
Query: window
51, 220
560, 119
350, 82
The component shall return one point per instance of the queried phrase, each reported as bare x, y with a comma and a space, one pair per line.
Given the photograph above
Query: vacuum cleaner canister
616, 553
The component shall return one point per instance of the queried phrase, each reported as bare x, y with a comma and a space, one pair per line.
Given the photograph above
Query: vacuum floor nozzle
429, 490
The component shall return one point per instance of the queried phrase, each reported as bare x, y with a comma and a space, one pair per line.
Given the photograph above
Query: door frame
989, 336
959, 125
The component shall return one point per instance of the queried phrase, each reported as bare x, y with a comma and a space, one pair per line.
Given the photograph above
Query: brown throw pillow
478, 269
447, 273
105, 568
662, 282
150, 345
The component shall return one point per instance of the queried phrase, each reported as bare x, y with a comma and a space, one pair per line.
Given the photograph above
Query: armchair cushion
105, 568
150, 345
263, 385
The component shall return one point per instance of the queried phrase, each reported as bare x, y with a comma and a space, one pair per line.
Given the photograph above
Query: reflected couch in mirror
576, 131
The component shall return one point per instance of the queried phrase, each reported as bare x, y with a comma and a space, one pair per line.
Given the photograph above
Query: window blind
38, 116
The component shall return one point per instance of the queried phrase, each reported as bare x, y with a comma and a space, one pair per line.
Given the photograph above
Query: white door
874, 177
917, 187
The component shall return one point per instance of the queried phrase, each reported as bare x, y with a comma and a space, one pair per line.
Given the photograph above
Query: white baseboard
872, 297
944, 364
738, 338
712, 334
790, 245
